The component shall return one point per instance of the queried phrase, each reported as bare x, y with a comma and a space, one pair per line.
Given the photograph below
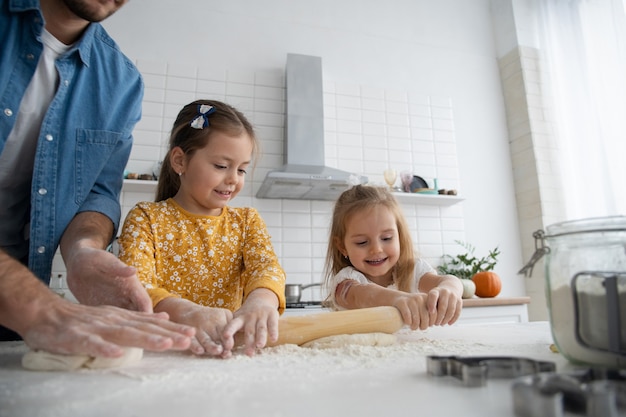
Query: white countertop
284, 381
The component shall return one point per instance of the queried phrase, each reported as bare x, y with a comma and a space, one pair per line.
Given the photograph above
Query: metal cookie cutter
592, 392
474, 371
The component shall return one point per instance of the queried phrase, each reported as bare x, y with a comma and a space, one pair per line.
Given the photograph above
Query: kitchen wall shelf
139, 186
147, 186
428, 199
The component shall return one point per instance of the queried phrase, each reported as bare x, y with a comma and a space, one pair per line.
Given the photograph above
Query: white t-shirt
421, 267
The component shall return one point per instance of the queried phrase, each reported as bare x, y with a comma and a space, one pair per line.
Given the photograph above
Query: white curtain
584, 47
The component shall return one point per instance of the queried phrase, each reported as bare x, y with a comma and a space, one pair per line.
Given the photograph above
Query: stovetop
304, 304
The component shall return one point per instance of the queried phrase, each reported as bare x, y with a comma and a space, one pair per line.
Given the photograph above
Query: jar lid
593, 224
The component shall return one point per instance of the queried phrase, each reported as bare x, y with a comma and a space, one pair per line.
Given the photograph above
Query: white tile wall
534, 156
367, 129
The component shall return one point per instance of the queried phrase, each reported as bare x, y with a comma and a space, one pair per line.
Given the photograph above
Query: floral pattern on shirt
211, 260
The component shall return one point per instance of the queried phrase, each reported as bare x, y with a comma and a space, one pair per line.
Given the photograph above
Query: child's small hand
413, 309
438, 307
257, 320
444, 306
209, 323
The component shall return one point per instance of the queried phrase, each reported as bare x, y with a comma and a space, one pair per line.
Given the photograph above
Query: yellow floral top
214, 261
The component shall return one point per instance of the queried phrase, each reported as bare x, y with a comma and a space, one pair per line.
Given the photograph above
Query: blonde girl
370, 262
203, 262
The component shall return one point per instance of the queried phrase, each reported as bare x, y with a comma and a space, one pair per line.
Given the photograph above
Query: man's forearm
22, 295
87, 229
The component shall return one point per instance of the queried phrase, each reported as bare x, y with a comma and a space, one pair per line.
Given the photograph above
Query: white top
421, 268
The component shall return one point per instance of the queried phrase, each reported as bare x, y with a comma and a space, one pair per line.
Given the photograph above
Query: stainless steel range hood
305, 175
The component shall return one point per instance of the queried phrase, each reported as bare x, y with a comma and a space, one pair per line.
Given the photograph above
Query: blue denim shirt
86, 134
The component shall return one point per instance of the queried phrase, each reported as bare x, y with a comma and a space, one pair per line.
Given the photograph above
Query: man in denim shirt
69, 100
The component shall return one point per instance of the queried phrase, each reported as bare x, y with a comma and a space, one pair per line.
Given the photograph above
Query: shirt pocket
93, 152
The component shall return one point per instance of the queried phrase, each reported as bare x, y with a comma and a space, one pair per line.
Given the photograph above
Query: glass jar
586, 289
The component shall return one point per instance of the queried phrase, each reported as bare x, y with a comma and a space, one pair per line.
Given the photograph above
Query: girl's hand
444, 306
209, 323
413, 309
438, 307
257, 319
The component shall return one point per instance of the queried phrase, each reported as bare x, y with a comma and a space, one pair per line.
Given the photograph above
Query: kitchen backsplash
367, 130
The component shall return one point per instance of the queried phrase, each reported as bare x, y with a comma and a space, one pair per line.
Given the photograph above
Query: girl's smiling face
213, 175
372, 243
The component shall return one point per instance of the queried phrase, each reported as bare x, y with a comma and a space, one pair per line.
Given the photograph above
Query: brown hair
226, 119
353, 201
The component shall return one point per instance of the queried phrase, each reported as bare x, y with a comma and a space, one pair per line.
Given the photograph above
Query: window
584, 47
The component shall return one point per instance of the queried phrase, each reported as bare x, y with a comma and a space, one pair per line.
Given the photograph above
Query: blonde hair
356, 200
226, 119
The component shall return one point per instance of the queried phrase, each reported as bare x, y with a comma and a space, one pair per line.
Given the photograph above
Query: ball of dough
40, 360
130, 356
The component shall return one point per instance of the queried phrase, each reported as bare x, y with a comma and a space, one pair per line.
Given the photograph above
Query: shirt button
8, 112
42, 191
30, 57
49, 137
41, 249
66, 82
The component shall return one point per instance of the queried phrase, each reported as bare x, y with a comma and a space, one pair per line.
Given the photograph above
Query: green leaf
466, 265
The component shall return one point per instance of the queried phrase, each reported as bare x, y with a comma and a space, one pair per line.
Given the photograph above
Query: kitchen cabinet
139, 186
495, 310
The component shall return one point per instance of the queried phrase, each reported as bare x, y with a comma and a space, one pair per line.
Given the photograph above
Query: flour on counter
359, 339
162, 381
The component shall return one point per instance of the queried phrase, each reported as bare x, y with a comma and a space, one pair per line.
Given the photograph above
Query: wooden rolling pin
301, 329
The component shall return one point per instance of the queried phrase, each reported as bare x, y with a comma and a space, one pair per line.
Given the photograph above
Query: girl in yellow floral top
204, 263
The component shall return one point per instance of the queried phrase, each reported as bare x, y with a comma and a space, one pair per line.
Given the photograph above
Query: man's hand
47, 321
97, 277
68, 328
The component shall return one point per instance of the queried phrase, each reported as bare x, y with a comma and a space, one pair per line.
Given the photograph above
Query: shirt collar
83, 45
23, 5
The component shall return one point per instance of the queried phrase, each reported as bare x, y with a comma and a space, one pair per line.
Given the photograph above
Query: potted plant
475, 273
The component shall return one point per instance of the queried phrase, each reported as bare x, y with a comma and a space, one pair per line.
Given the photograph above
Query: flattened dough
40, 360
360, 339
